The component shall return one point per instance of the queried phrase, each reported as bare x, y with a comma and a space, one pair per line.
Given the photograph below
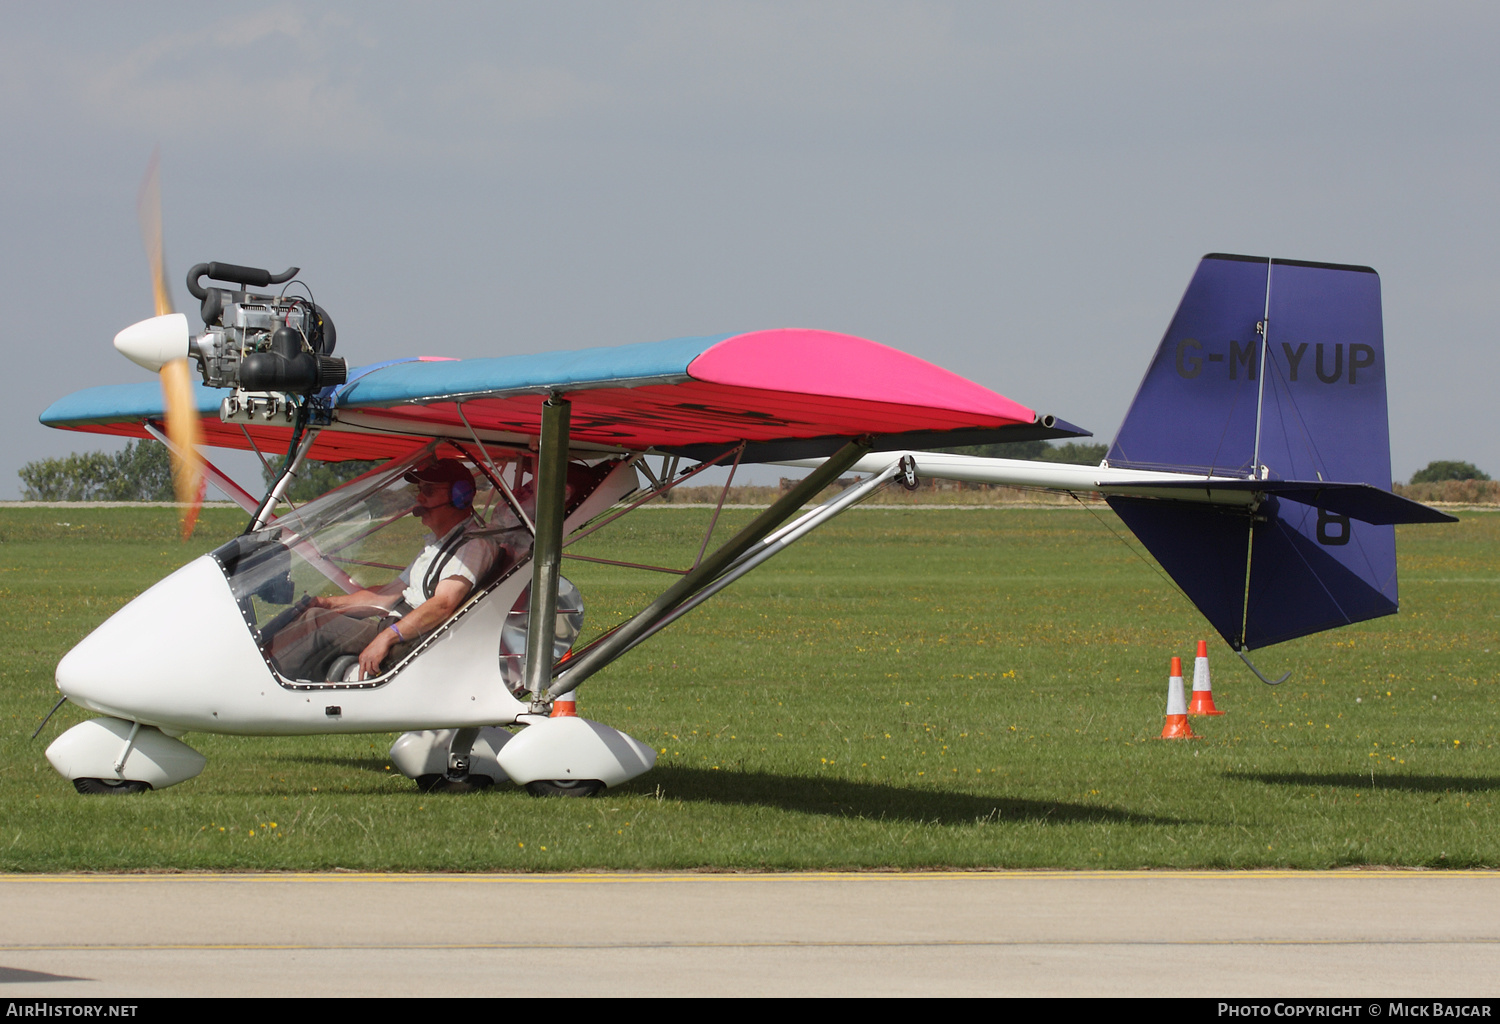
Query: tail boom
1254, 463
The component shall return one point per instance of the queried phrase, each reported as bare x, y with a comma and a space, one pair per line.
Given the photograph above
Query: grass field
906, 688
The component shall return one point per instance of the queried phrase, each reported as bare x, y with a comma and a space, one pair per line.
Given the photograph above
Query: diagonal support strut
616, 643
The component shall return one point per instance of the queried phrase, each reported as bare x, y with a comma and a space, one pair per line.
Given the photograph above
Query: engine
262, 345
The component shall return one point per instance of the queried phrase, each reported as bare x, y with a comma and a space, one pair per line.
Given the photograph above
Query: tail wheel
564, 787
449, 784
110, 787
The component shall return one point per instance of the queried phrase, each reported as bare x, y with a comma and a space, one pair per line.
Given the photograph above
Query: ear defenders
461, 493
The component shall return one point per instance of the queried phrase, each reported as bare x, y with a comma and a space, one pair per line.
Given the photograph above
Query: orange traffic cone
1203, 693
566, 704
1177, 727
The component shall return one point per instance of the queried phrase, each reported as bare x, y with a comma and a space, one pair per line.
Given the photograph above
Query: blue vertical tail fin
1270, 370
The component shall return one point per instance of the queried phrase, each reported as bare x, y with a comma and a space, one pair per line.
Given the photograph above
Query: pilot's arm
446, 597
380, 597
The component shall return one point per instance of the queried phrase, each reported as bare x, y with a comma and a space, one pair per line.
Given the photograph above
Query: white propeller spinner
155, 342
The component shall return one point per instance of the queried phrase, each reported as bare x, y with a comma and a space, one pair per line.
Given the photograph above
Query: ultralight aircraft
1254, 464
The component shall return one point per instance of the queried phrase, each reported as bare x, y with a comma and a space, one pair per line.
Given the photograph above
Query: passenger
374, 622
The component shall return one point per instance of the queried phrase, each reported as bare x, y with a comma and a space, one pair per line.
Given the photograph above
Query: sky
1017, 192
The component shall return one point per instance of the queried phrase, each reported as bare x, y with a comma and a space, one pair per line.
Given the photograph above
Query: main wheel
447, 784
564, 787
109, 787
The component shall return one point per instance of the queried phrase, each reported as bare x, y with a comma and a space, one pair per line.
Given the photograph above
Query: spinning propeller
274, 351
161, 344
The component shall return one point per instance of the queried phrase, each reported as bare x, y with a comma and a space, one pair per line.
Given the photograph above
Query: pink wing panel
809, 362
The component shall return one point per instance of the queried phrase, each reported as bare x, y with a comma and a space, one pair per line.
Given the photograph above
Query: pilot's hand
374, 653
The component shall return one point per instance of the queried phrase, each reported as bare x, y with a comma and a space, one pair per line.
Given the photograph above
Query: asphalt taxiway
1336, 933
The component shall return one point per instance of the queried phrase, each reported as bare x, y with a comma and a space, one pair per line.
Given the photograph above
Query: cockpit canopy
361, 535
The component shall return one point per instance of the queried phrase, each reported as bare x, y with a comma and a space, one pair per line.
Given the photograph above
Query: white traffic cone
1203, 692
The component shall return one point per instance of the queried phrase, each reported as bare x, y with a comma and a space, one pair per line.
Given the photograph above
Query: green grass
905, 688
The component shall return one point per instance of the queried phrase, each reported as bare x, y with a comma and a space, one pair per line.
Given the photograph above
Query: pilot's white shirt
471, 561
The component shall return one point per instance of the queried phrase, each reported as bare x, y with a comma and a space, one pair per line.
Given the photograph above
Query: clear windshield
358, 537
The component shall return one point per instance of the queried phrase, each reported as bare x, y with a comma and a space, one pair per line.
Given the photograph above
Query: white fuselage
180, 657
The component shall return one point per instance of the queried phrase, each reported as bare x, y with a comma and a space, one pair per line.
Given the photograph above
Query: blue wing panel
405, 380
115, 402
648, 362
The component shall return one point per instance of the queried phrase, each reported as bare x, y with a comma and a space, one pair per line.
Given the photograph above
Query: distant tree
1030, 450
316, 477
145, 469
73, 477
1443, 470
1038, 451
141, 472
1076, 454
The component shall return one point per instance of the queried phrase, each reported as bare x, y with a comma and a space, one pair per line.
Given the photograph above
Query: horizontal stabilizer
1357, 501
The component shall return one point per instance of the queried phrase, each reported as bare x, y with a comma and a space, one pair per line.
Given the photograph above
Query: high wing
790, 393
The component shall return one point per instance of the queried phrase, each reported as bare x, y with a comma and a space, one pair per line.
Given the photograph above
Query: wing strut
551, 499
770, 547
216, 476
612, 645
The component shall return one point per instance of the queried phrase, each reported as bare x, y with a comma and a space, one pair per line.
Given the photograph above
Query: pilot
374, 622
